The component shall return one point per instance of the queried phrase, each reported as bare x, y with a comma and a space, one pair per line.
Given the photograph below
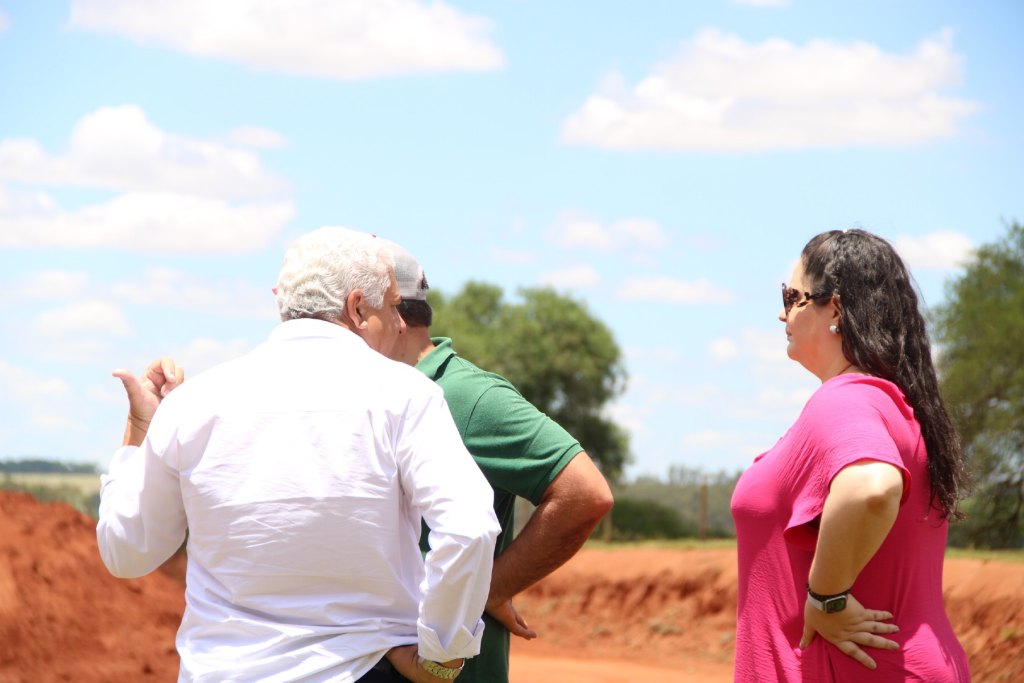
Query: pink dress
849, 418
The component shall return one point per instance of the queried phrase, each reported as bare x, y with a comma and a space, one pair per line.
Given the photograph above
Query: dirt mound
64, 618
678, 607
641, 604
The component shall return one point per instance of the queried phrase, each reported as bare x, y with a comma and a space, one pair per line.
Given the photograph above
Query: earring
833, 328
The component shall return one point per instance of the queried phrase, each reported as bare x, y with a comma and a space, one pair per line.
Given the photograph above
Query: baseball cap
412, 282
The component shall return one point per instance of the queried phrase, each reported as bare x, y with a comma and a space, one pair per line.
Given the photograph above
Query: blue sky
664, 162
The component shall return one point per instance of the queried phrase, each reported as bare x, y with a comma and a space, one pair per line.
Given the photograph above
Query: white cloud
723, 350
85, 317
724, 94
118, 148
5, 23
144, 221
943, 250
202, 354
22, 384
46, 284
580, 231
178, 193
166, 288
575, 230
766, 344
336, 39
630, 417
763, 348
774, 398
256, 137
672, 291
57, 421
575, 276
639, 231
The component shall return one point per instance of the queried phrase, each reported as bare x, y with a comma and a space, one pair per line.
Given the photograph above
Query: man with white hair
300, 472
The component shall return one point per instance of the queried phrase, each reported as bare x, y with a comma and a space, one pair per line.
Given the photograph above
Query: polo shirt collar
431, 364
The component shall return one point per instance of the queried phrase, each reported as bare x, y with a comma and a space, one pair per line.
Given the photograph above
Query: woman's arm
859, 512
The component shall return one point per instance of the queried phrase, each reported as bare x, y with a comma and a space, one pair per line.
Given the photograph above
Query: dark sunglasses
794, 297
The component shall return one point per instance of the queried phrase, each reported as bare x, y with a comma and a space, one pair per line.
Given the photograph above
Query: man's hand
850, 629
405, 660
160, 378
505, 613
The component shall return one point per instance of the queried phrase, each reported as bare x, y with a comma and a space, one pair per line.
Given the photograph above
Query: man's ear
354, 305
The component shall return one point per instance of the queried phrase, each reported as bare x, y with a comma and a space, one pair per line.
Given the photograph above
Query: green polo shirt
519, 449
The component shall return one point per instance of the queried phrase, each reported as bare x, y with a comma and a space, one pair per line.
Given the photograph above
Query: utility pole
703, 529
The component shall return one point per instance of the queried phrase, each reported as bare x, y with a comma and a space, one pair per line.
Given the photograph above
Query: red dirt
608, 616
63, 617
676, 609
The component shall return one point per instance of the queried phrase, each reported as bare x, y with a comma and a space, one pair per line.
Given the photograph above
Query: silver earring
834, 329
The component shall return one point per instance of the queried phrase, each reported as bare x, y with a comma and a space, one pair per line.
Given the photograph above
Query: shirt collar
310, 327
431, 364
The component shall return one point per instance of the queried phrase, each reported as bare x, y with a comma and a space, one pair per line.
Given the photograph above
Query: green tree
686, 492
637, 520
560, 357
980, 335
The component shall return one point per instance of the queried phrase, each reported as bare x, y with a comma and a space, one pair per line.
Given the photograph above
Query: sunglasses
794, 297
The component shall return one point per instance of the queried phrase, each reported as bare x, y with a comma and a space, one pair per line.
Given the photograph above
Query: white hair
323, 267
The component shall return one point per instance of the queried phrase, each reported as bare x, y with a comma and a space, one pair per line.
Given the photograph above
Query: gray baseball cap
412, 282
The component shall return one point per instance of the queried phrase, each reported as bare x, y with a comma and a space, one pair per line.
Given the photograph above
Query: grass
671, 544
86, 484
1016, 556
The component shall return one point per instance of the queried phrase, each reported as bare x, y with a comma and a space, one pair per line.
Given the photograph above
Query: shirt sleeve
141, 515
446, 488
844, 425
520, 449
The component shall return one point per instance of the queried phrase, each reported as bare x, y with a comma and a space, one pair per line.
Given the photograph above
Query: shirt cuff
464, 643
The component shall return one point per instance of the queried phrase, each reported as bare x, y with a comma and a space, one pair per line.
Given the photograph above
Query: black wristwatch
829, 604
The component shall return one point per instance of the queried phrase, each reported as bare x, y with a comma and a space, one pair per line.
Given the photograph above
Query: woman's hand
850, 629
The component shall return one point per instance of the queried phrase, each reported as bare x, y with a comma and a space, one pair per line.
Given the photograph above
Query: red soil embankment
677, 608
64, 618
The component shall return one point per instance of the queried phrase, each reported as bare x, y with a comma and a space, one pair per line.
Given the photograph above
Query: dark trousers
383, 672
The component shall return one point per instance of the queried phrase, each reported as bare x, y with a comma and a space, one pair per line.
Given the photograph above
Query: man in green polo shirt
522, 452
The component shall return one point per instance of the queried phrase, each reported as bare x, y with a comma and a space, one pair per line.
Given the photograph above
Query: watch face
835, 604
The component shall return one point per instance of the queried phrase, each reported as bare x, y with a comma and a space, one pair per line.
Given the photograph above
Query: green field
86, 484
1015, 556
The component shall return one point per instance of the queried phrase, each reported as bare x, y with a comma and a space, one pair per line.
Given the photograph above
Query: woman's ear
837, 308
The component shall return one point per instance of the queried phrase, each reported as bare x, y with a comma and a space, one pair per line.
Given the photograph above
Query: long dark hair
884, 333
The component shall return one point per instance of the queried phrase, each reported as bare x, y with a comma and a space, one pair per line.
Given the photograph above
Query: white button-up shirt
301, 471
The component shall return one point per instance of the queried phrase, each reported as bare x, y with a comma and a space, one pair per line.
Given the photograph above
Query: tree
560, 357
980, 335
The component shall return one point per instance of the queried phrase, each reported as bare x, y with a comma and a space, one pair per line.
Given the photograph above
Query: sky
662, 162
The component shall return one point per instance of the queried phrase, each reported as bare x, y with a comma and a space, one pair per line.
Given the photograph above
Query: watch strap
822, 598
829, 604
440, 670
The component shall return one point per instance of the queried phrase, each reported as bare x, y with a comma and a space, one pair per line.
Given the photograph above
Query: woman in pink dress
852, 506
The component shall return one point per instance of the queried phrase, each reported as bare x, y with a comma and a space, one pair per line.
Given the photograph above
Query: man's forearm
572, 506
